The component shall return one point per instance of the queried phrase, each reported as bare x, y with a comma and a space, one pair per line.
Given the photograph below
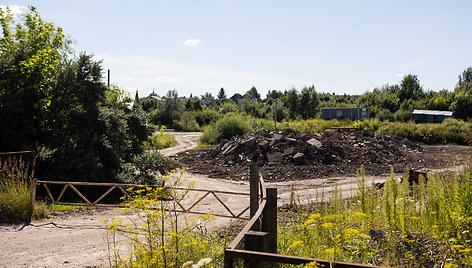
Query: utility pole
108, 78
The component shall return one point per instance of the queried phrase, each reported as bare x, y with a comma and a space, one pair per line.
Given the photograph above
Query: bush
187, 123
226, 128
449, 131
159, 141
206, 116
147, 168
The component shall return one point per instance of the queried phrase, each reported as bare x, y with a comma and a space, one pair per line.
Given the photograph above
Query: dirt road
77, 239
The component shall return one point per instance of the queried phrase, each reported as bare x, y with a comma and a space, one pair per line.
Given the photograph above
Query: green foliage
159, 141
31, 50
148, 168
225, 128
253, 94
449, 131
206, 116
15, 191
221, 95
160, 237
400, 226
187, 123
410, 88
228, 107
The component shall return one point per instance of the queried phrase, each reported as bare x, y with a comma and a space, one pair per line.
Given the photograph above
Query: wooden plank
277, 258
62, 192
103, 195
224, 205
80, 194
49, 193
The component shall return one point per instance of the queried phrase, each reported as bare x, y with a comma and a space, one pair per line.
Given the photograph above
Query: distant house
207, 101
238, 99
353, 113
430, 116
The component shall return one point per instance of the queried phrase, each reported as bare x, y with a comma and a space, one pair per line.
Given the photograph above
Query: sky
201, 46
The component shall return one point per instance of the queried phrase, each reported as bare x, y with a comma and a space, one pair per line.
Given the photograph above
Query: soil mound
289, 154
290, 147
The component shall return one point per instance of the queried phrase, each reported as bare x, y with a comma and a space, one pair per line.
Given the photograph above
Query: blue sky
200, 46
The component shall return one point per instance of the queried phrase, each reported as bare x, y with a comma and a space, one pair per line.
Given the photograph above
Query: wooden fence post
269, 221
253, 189
33, 197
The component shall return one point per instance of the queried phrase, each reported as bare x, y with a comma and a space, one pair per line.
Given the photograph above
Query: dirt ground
77, 239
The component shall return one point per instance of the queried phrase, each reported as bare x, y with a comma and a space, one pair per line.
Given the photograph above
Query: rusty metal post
269, 221
253, 189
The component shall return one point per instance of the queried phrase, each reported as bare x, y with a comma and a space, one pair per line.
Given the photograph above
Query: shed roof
433, 112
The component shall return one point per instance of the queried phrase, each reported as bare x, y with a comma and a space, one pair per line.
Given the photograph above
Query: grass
159, 237
400, 226
66, 208
15, 191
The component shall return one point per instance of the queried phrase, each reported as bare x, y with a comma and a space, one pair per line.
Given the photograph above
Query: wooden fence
256, 244
191, 208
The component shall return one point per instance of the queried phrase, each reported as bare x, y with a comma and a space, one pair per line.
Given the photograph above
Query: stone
315, 143
275, 157
289, 151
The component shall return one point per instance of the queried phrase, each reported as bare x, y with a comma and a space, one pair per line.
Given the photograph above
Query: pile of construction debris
292, 147
289, 154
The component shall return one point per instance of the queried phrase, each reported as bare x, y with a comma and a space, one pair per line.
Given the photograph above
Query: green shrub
187, 123
206, 117
160, 141
226, 128
449, 131
147, 168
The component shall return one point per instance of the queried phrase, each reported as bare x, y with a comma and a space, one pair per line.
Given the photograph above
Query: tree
30, 52
60, 107
465, 78
462, 105
410, 88
291, 102
221, 95
308, 102
253, 94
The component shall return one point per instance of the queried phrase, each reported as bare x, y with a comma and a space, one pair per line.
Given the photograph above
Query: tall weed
426, 224
15, 191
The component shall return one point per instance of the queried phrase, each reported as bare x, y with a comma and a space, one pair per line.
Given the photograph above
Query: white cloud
15, 9
399, 75
166, 79
191, 42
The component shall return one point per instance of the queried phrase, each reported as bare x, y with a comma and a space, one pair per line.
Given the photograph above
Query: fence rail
123, 188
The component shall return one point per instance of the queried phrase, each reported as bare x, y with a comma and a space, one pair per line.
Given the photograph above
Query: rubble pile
289, 154
292, 147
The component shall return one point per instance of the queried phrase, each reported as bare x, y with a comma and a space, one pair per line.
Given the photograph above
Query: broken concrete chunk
316, 143
289, 151
275, 157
